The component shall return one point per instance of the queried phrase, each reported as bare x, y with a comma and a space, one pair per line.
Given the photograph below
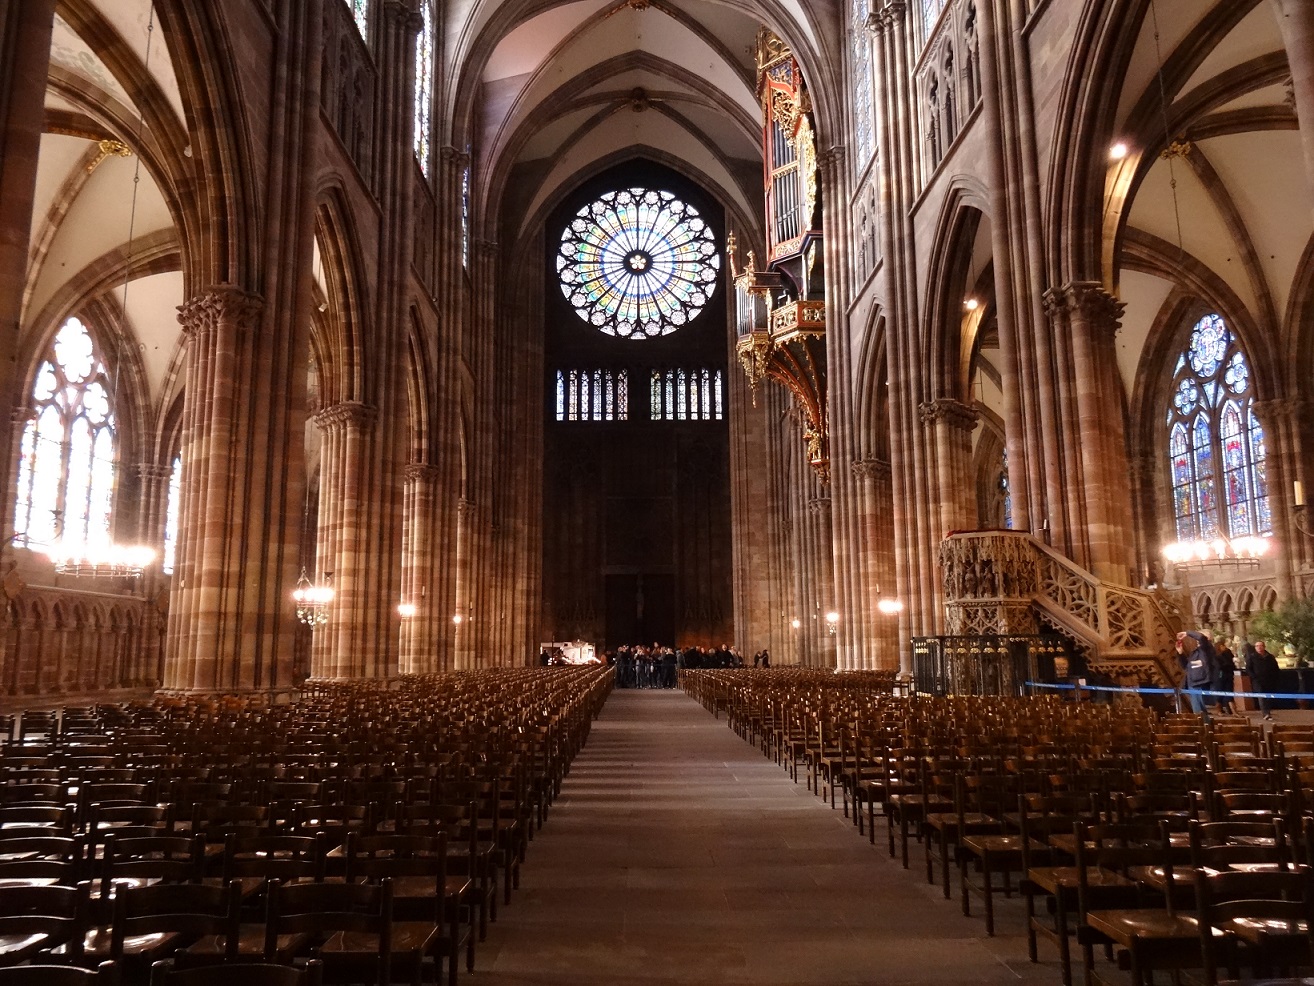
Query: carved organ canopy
781, 308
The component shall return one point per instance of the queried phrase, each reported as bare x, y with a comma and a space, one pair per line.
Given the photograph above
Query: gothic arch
343, 366
872, 424
221, 190
1084, 229
943, 338
418, 388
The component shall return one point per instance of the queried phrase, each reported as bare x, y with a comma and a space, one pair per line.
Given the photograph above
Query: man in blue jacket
1195, 653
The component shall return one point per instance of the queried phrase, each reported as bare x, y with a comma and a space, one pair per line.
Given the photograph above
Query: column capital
953, 412
402, 13
1084, 298
454, 155
347, 413
221, 303
464, 507
831, 157
872, 469
154, 470
487, 248
419, 472
819, 504
21, 414
1289, 408
893, 13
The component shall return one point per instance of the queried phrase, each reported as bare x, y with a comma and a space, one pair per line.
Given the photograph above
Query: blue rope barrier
1298, 696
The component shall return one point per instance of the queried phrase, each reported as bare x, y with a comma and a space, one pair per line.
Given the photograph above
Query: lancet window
862, 103
593, 395
1216, 452
171, 515
424, 61
360, 13
686, 395
68, 451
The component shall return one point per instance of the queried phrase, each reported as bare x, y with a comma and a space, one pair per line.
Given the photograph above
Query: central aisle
677, 853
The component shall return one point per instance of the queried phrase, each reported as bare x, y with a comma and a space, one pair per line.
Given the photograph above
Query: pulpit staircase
1008, 582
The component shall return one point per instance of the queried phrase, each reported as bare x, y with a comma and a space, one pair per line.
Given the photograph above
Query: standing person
1196, 656
1262, 667
1226, 677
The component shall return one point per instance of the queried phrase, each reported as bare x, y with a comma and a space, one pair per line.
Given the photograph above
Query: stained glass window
171, 515
638, 263
686, 395
465, 214
67, 454
1215, 443
424, 86
930, 13
592, 395
360, 13
862, 108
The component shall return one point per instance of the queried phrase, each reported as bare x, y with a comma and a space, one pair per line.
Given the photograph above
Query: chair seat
19, 948
250, 943
1144, 924
1051, 879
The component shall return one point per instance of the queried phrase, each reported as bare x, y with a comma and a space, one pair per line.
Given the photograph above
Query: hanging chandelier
313, 599
103, 560
1217, 551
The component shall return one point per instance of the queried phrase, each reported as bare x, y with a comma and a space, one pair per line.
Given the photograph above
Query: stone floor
677, 853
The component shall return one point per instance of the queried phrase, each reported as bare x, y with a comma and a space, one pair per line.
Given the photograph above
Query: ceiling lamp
313, 599
1217, 551
105, 559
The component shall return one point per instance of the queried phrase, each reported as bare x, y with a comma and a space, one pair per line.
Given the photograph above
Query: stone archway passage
677, 854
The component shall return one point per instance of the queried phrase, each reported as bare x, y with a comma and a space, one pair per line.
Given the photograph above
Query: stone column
1084, 312
348, 430
25, 35
1286, 427
898, 189
154, 504
876, 538
465, 649
1296, 21
821, 538
420, 632
239, 501
951, 423
846, 563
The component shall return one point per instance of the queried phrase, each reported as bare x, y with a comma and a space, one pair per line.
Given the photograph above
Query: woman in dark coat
1225, 666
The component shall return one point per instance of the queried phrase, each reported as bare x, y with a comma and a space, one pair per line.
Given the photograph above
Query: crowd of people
1210, 667
656, 666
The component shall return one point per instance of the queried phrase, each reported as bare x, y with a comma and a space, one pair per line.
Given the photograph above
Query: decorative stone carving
348, 413
872, 469
1085, 298
953, 412
819, 504
223, 303
1004, 583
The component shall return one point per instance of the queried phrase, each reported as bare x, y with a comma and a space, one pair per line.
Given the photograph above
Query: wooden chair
426, 900
36, 920
348, 926
1261, 920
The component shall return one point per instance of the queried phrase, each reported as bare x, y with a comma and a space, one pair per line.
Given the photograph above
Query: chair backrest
53, 911
1221, 845
165, 858
320, 909
1278, 899
188, 909
163, 973
274, 857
